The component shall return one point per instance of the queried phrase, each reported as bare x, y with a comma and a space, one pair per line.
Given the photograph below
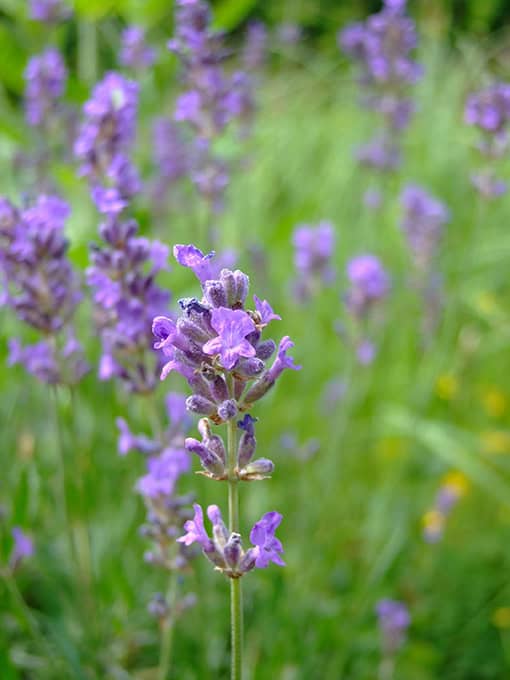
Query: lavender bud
258, 389
261, 466
246, 449
233, 551
219, 389
158, 606
192, 330
208, 458
214, 293
227, 410
250, 368
248, 561
220, 531
242, 285
229, 285
265, 349
215, 443
214, 556
199, 404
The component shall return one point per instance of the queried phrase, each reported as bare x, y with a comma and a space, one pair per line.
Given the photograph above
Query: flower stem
167, 628
236, 600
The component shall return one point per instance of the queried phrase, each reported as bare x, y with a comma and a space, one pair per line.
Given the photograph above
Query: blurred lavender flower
255, 46
394, 620
382, 47
313, 251
45, 77
49, 11
289, 33
369, 286
212, 98
423, 221
41, 287
22, 549
135, 53
453, 487
172, 157
122, 276
489, 111
105, 140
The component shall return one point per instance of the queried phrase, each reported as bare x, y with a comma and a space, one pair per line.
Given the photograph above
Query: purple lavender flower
41, 287
232, 327
262, 536
195, 530
369, 283
289, 33
45, 77
135, 53
313, 250
255, 46
22, 549
49, 11
423, 222
126, 297
163, 471
105, 140
382, 47
394, 620
172, 157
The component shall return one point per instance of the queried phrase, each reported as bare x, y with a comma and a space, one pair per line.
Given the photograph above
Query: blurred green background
353, 512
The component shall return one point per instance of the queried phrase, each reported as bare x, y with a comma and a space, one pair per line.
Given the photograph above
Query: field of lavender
335, 371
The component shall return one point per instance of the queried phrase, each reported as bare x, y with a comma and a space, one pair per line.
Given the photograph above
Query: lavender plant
424, 218
394, 620
135, 53
313, 250
217, 345
49, 11
369, 286
489, 111
382, 47
212, 98
41, 287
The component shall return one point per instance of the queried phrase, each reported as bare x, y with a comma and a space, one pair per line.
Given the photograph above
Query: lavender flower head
382, 48
135, 53
369, 284
126, 297
22, 549
105, 140
49, 11
45, 77
255, 46
394, 620
313, 250
489, 111
172, 156
41, 287
423, 222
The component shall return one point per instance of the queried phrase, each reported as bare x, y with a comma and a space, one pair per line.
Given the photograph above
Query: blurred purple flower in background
423, 222
41, 287
45, 77
394, 620
49, 11
313, 252
489, 111
22, 549
135, 53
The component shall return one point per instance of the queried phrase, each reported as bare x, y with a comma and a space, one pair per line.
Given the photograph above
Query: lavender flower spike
134, 52
22, 549
268, 546
45, 77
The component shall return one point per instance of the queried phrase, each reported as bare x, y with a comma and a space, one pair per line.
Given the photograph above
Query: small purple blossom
265, 311
46, 77
232, 326
135, 53
269, 548
313, 250
195, 530
394, 620
49, 11
370, 282
22, 549
423, 222
163, 471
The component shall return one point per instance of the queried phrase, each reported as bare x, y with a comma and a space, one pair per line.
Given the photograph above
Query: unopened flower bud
214, 293
158, 606
242, 283
228, 409
248, 560
250, 367
246, 449
199, 404
208, 459
192, 330
265, 349
229, 285
220, 531
259, 467
233, 551
219, 388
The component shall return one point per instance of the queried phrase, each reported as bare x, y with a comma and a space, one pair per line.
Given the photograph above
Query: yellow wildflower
494, 402
495, 441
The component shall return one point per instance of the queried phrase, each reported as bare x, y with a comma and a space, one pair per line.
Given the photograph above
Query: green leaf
230, 13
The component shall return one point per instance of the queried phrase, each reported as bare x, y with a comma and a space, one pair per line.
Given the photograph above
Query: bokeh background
358, 467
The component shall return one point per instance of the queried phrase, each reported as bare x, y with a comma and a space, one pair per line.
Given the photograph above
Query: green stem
236, 599
167, 627
87, 51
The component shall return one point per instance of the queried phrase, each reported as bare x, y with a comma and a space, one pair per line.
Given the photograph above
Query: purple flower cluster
313, 250
394, 620
135, 53
172, 157
382, 47
225, 549
105, 140
489, 111
46, 77
122, 276
217, 345
423, 221
22, 549
49, 11
369, 286
166, 461
42, 288
212, 98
